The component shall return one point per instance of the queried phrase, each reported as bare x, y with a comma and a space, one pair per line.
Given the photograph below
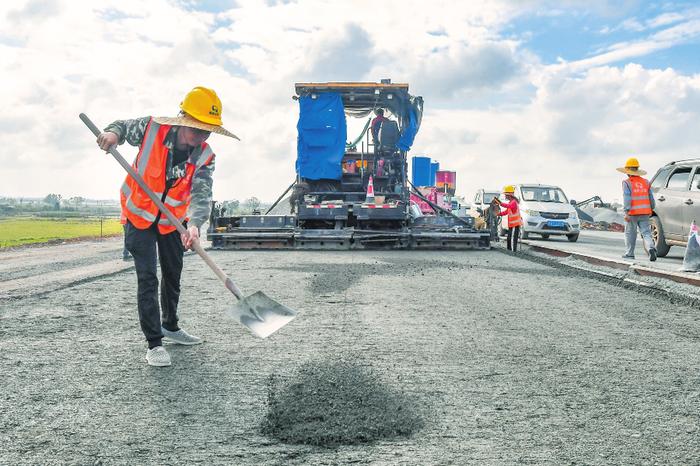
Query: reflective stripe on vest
205, 157
514, 219
640, 201
151, 164
146, 147
168, 201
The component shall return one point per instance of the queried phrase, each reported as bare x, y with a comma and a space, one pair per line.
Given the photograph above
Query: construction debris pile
601, 218
336, 403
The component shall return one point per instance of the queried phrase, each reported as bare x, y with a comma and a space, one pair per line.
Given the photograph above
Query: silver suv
676, 188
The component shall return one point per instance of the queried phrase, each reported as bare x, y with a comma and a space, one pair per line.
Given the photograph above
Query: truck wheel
657, 234
545, 236
572, 238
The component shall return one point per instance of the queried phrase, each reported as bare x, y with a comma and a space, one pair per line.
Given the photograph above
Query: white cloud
684, 32
493, 112
576, 131
665, 19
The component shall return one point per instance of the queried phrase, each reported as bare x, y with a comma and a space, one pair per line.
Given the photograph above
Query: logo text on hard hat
214, 110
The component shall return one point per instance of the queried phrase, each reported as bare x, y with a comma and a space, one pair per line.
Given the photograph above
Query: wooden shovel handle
164, 210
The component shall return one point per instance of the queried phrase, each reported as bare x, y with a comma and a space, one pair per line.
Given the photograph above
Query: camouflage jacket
132, 131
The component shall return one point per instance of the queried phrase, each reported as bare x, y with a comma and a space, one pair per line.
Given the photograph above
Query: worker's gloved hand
106, 140
192, 235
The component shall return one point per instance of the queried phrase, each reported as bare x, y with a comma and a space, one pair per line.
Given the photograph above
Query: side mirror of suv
572, 202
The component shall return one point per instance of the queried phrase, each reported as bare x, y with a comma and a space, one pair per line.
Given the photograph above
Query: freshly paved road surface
513, 362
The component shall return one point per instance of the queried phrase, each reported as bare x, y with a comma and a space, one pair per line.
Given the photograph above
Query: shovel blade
261, 314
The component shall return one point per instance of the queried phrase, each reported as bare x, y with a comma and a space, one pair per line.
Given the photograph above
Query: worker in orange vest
177, 164
512, 210
638, 204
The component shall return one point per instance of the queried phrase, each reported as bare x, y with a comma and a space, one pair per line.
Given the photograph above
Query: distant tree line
56, 204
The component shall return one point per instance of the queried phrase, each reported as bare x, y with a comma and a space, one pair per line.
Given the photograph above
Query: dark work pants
143, 244
513, 234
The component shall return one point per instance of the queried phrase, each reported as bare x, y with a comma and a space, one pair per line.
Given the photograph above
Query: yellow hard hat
632, 162
509, 189
203, 104
632, 167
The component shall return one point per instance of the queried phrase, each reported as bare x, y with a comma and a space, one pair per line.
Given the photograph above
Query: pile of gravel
336, 403
603, 215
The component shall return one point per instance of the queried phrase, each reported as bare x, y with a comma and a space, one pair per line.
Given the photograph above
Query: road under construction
419, 339
587, 355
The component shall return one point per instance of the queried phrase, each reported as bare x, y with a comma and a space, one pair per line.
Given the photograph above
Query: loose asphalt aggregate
500, 359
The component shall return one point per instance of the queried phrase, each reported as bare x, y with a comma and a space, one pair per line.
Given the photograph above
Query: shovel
261, 314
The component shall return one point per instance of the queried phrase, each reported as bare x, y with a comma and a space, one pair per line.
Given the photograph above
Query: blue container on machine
421, 171
434, 167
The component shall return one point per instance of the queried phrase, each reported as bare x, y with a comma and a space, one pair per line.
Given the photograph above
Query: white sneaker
158, 357
181, 337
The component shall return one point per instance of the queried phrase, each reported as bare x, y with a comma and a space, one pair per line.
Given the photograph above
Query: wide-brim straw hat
191, 122
632, 171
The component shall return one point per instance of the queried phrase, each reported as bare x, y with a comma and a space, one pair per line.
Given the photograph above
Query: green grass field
27, 230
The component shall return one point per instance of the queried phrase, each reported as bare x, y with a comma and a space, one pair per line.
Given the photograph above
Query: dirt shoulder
33, 270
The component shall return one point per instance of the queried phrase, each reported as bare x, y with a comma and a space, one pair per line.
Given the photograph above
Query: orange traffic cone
370, 191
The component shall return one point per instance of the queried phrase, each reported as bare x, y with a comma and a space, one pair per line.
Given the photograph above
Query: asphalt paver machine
350, 195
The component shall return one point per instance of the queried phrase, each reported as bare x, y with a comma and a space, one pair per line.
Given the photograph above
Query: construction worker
177, 164
376, 125
512, 210
638, 205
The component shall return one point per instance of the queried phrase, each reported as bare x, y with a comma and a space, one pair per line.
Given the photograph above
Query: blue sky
578, 33
558, 92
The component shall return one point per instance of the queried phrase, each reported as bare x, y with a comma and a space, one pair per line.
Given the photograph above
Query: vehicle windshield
543, 194
488, 197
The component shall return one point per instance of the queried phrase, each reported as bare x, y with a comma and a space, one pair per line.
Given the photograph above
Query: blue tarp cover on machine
409, 132
322, 134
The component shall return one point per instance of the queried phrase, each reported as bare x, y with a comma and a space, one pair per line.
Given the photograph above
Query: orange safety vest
150, 163
641, 204
514, 219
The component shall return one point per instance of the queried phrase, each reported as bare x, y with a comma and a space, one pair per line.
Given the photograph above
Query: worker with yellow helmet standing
177, 164
638, 204
515, 221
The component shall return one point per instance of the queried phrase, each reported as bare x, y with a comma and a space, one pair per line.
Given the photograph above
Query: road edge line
625, 280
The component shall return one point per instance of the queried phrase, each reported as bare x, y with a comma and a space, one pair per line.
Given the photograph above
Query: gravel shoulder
512, 361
